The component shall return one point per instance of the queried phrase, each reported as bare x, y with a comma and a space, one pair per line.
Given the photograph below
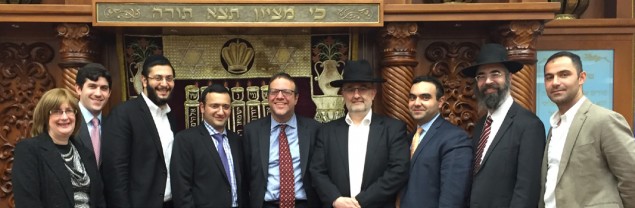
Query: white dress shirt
497, 120
559, 129
357, 143
160, 117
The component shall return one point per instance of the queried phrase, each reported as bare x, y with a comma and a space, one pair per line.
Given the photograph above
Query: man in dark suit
277, 151
508, 141
92, 84
441, 153
207, 160
361, 159
137, 142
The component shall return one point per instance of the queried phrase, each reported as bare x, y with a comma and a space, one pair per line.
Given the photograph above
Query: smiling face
61, 123
563, 83
94, 94
358, 97
423, 103
159, 84
493, 84
282, 99
216, 110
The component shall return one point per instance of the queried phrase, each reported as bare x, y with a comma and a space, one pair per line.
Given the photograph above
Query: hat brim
339, 83
512, 67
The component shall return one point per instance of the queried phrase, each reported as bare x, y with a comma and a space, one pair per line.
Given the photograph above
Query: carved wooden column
519, 37
76, 50
23, 80
448, 59
399, 50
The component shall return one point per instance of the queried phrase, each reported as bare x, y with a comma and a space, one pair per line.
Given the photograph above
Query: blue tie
223, 156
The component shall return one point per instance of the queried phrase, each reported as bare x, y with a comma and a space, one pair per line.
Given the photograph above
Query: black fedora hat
356, 71
492, 53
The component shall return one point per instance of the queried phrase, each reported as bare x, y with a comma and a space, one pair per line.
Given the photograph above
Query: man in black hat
360, 160
508, 142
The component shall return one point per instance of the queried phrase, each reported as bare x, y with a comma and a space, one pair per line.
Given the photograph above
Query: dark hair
92, 71
217, 88
155, 60
577, 63
284, 75
435, 81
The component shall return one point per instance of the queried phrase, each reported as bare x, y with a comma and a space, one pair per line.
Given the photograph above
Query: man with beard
508, 142
138, 140
360, 160
277, 151
92, 84
590, 156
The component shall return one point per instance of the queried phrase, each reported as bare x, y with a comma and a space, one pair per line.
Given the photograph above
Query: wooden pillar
519, 38
398, 62
76, 50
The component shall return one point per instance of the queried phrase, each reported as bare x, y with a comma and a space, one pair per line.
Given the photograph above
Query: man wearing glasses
360, 160
277, 151
508, 142
137, 143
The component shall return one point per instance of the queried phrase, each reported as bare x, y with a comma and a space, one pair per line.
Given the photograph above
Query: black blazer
132, 157
385, 169
197, 174
510, 171
40, 178
440, 169
257, 157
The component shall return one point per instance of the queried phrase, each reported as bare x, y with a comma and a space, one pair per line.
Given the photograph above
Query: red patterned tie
481, 144
287, 182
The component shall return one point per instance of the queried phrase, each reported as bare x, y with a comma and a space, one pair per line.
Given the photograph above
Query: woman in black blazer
51, 169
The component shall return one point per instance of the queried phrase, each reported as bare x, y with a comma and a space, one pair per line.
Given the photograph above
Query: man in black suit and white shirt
92, 84
272, 181
360, 160
207, 160
137, 142
509, 144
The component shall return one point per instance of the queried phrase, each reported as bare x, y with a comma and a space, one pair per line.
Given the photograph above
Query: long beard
152, 95
494, 100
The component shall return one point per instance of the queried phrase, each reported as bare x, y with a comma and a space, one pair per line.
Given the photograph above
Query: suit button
161, 194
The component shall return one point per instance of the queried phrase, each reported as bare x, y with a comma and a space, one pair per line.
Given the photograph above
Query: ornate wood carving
76, 49
23, 79
519, 37
399, 50
448, 59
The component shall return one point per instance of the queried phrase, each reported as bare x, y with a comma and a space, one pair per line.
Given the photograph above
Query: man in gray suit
93, 83
590, 155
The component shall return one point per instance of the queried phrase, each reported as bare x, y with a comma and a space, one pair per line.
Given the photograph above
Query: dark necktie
481, 144
287, 182
223, 155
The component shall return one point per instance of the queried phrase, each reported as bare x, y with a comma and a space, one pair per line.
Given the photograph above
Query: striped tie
481, 144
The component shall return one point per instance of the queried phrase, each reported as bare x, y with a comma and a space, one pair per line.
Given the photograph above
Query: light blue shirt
273, 177
88, 118
426, 127
230, 159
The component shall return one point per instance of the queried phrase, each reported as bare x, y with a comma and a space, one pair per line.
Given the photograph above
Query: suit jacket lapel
154, 132
374, 140
572, 136
264, 137
84, 136
54, 160
341, 132
236, 155
507, 122
303, 141
426, 139
208, 144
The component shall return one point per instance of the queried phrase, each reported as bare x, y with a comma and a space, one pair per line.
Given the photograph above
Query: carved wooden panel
448, 59
23, 79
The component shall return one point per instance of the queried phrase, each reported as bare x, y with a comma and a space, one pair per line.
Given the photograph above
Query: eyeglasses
161, 78
360, 90
59, 112
286, 93
483, 77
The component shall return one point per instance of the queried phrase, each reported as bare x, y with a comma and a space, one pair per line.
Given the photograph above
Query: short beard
493, 101
152, 95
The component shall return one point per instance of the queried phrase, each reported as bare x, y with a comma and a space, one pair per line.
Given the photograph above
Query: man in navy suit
137, 142
441, 153
92, 84
207, 160
360, 160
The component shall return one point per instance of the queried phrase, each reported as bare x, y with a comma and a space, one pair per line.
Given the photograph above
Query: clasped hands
346, 202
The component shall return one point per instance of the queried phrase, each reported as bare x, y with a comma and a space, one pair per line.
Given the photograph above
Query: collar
293, 122
365, 121
88, 117
154, 109
428, 124
212, 130
502, 110
556, 118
